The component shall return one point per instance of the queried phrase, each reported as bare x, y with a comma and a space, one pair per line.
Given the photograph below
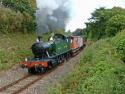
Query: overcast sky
82, 9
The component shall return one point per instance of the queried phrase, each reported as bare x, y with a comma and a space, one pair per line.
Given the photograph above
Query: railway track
23, 83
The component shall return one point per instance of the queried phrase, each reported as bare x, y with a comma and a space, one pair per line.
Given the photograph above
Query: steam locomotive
51, 53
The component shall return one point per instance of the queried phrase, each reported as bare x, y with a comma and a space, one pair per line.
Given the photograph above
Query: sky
82, 9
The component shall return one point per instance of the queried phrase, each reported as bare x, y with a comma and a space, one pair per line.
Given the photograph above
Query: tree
20, 5
115, 25
98, 24
17, 16
78, 32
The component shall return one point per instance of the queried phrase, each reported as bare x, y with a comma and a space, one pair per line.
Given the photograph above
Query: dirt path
41, 86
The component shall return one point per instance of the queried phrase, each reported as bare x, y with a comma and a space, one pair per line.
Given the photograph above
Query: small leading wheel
40, 69
31, 70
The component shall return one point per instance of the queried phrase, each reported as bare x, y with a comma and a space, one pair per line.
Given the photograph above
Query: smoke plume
51, 15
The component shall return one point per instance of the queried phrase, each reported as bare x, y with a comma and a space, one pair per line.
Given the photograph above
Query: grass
14, 48
101, 71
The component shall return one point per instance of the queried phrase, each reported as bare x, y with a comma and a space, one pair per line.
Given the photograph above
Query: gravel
12, 75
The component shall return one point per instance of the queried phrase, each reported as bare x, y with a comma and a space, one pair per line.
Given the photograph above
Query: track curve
23, 83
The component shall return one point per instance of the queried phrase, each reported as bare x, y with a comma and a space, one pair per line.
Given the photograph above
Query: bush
105, 23
17, 16
119, 44
11, 21
115, 25
21, 5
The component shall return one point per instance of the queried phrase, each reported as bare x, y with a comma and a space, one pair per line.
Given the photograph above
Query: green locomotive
48, 54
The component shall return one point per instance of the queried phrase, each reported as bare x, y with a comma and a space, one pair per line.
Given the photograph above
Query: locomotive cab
62, 43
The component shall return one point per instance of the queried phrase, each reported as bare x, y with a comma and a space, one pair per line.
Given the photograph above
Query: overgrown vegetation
20, 5
119, 44
105, 23
101, 70
17, 16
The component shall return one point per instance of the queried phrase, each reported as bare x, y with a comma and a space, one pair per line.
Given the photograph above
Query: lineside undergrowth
101, 70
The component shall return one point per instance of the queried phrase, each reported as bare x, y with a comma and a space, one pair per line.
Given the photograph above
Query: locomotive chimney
39, 39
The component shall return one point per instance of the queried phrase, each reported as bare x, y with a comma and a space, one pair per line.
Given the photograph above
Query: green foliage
115, 24
105, 22
19, 5
78, 32
17, 16
119, 44
11, 21
101, 70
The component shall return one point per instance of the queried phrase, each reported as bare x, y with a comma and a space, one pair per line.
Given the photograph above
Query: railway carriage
77, 43
80, 42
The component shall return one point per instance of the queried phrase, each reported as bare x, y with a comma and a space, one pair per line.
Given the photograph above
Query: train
53, 52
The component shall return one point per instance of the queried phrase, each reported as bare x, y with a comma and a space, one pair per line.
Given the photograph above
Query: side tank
42, 49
